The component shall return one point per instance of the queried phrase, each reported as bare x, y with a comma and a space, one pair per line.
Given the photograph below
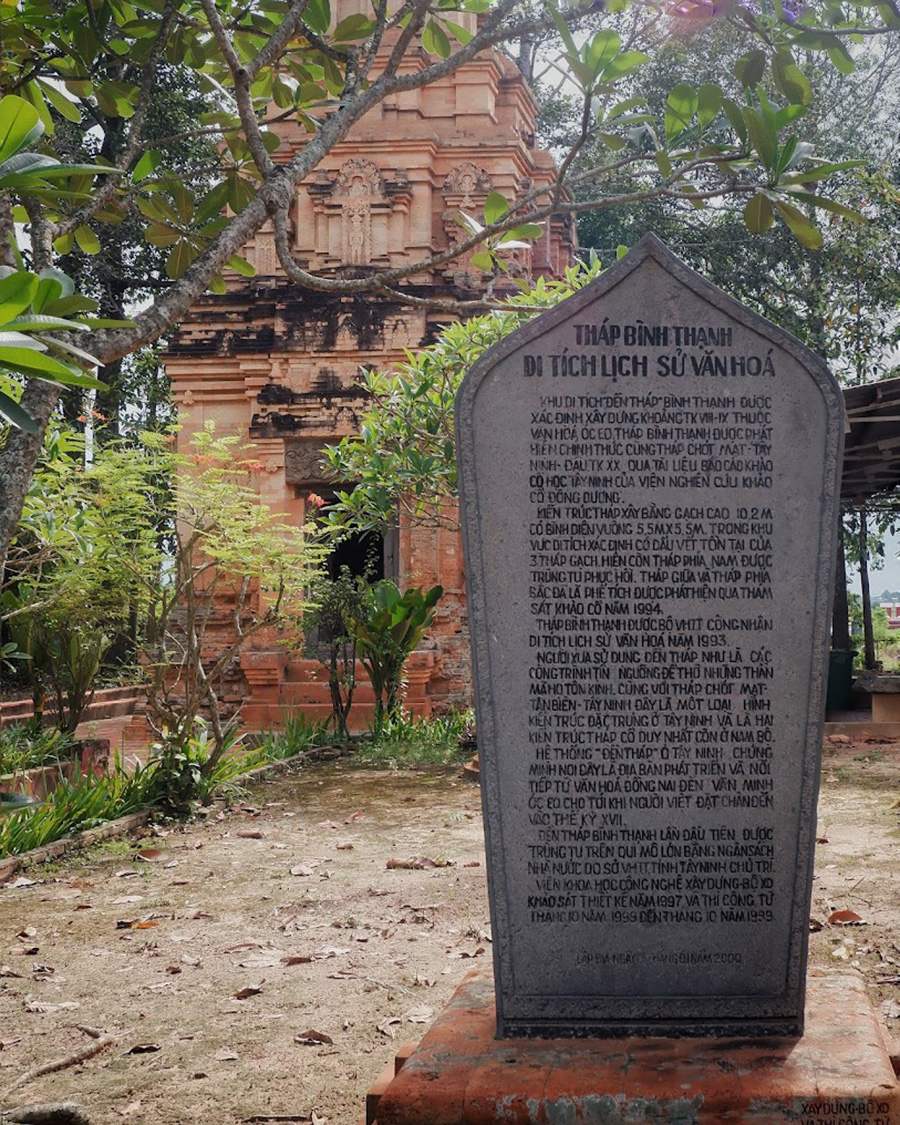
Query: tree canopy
88, 69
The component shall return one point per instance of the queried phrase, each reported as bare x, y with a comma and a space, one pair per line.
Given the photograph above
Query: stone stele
649, 484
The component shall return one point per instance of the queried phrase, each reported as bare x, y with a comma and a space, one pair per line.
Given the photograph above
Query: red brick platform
839, 1073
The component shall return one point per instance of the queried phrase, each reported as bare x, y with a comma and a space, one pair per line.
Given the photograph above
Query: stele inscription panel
649, 483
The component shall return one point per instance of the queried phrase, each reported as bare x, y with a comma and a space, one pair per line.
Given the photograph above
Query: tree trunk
840, 619
19, 458
868, 633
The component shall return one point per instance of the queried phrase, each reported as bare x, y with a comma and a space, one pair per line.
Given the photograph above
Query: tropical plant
296, 61
184, 771
390, 627
327, 636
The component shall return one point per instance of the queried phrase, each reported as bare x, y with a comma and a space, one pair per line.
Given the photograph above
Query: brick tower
280, 366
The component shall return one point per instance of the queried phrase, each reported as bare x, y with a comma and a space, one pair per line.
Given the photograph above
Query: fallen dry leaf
173, 970
225, 1055
250, 834
846, 918
814, 925
127, 873
303, 870
143, 1049
313, 1038
246, 993
344, 846
149, 855
21, 882
326, 951
821, 839
386, 1027
355, 816
261, 961
296, 959
35, 1006
7, 971
135, 924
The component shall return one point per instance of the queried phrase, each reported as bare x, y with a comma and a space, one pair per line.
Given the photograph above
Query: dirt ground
323, 939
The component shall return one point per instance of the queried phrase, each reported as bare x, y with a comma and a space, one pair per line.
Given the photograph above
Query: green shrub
388, 630
72, 806
404, 741
25, 746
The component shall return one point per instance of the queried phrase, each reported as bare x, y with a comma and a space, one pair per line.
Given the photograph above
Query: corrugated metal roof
872, 445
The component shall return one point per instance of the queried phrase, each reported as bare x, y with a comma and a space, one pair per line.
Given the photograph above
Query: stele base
839, 1073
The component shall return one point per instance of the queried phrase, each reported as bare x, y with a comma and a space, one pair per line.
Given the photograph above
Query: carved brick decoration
280, 366
303, 461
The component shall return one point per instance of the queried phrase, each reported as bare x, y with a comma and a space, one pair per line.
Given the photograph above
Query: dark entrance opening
362, 554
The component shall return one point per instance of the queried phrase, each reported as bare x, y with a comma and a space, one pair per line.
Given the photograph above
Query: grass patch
407, 742
298, 735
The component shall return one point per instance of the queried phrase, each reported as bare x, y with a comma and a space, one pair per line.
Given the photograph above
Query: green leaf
495, 207
19, 125
461, 34
625, 106
799, 225
15, 415
681, 104
762, 137
48, 289
483, 260
17, 291
42, 323
758, 214
63, 245
821, 172
709, 102
750, 68
832, 205
180, 257
601, 50
734, 115
355, 26
157, 208
525, 231
160, 234
623, 64
841, 57
241, 265
435, 41
148, 163
88, 242
60, 102
42, 366
790, 79
318, 16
